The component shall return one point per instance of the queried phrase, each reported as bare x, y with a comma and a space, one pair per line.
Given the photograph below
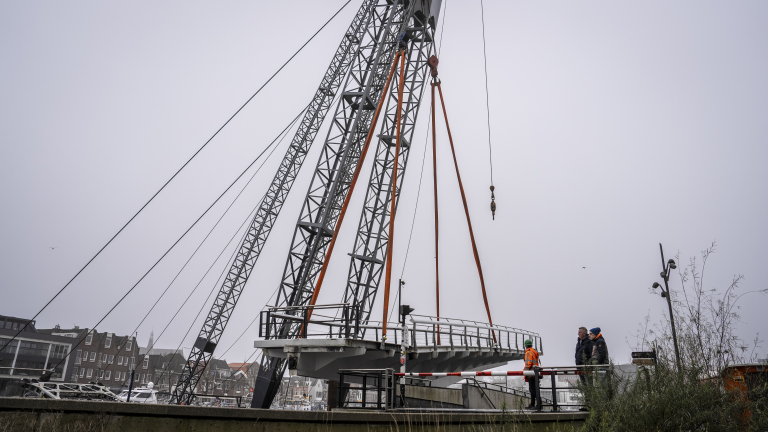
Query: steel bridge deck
446, 345
322, 358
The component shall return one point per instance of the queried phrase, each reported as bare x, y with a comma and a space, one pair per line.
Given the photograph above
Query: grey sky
615, 126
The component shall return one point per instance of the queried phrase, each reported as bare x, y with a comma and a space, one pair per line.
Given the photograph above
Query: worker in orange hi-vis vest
531, 361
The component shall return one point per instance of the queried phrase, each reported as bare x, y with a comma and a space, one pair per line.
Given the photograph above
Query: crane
358, 72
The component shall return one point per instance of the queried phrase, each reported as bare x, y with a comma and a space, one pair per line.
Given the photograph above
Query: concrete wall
42, 415
468, 397
476, 398
432, 397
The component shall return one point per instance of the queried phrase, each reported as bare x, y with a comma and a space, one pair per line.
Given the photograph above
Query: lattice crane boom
340, 156
270, 206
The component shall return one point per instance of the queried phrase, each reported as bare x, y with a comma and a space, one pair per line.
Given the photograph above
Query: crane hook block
432, 62
493, 203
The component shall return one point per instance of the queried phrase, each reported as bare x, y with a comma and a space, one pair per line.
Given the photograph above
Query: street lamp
667, 266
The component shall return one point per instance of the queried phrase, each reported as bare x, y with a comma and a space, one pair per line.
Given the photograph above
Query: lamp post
667, 266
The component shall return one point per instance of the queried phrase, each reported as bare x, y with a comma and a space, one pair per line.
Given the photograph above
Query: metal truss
270, 206
370, 250
50, 390
332, 177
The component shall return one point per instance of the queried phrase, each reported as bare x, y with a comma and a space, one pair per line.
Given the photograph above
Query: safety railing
316, 322
504, 389
545, 383
375, 391
425, 333
431, 332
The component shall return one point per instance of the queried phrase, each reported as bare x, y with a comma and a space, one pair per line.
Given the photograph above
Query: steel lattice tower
363, 57
338, 161
270, 206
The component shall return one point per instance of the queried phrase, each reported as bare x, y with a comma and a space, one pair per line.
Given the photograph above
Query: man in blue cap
599, 347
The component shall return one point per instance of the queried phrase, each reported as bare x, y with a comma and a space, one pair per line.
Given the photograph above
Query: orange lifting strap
344, 206
436, 83
393, 199
433, 65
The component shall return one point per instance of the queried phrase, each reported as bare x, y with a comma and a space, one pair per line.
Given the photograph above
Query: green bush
663, 398
660, 399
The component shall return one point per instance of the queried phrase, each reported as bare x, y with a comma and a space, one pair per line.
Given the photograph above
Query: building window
74, 371
108, 375
111, 359
108, 343
120, 360
128, 345
89, 338
133, 362
239, 387
78, 356
89, 373
93, 356
82, 372
85, 355
146, 363
101, 374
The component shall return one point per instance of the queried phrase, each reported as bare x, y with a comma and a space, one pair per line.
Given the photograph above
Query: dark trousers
532, 390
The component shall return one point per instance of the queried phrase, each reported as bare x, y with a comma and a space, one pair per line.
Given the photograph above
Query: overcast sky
615, 126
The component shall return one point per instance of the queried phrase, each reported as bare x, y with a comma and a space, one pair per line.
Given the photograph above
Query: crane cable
172, 246
279, 139
488, 114
174, 175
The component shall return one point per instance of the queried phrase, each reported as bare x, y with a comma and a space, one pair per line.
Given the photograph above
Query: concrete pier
41, 415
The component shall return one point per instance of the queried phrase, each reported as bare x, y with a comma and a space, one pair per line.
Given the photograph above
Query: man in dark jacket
583, 347
599, 348
583, 350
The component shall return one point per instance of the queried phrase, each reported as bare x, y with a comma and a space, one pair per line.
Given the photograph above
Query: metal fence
376, 391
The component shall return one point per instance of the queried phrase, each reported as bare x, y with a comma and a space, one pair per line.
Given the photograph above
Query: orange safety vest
531, 358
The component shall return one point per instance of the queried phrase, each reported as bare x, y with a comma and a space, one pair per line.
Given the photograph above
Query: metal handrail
447, 320
424, 330
325, 306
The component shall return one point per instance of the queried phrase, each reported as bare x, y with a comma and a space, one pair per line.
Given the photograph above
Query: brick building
245, 377
30, 354
100, 357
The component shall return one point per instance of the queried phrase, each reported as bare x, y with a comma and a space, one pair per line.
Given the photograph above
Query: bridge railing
343, 320
431, 332
321, 321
